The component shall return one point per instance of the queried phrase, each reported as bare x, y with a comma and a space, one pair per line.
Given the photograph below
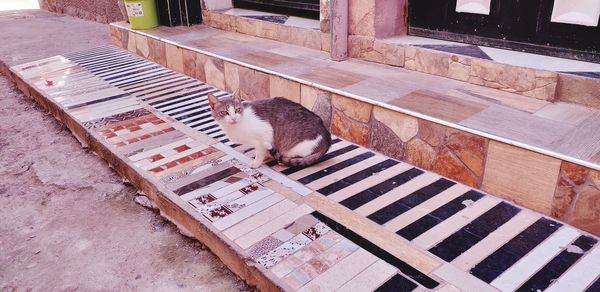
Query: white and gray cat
292, 134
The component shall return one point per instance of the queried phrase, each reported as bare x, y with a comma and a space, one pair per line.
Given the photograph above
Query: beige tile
280, 87
334, 177
259, 219
334, 77
369, 182
270, 227
364, 227
438, 105
404, 126
131, 43
141, 44
398, 193
371, 278
495, 240
214, 69
232, 77
308, 96
578, 89
174, 57
354, 109
264, 59
342, 272
426, 207
520, 175
451, 225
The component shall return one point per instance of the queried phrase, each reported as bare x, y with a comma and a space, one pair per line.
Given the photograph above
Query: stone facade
369, 23
104, 11
546, 184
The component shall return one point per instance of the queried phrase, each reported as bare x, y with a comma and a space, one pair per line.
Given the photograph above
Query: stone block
349, 129
585, 213
141, 44
361, 17
578, 89
354, 109
420, 154
405, 127
448, 165
469, 149
384, 140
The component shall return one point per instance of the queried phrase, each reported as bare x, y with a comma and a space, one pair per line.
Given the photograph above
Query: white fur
304, 148
247, 128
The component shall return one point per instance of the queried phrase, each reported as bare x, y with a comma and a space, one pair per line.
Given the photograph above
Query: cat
292, 134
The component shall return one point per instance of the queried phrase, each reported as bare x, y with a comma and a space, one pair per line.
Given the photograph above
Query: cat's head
228, 109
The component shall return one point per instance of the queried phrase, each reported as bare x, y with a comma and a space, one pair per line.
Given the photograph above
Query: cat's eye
238, 110
223, 113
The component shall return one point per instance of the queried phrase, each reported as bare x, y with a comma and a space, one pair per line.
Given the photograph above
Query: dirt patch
68, 222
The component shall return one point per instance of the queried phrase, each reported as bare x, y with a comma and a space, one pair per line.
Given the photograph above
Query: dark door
179, 12
306, 8
513, 24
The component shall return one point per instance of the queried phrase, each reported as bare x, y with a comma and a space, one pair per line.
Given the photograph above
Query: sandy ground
67, 222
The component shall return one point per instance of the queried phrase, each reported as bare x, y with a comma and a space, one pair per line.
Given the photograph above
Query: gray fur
292, 124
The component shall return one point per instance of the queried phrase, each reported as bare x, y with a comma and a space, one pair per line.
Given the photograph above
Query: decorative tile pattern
93, 124
330, 248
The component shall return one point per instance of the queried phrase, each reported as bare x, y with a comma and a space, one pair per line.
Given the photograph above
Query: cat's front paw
255, 164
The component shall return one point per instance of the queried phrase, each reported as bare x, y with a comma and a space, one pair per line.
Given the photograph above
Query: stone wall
104, 11
542, 183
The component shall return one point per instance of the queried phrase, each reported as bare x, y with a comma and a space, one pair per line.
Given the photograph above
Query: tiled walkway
357, 221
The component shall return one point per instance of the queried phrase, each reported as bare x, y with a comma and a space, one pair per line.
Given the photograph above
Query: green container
142, 13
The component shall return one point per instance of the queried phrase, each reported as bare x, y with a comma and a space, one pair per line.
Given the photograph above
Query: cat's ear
212, 100
237, 99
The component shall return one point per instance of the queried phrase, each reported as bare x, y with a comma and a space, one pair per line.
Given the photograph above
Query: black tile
336, 167
594, 287
374, 249
438, 215
419, 227
207, 180
393, 210
397, 283
122, 95
472, 51
270, 18
586, 74
557, 266
465, 238
327, 156
207, 128
354, 178
187, 95
376, 191
270, 163
213, 131
507, 255
561, 264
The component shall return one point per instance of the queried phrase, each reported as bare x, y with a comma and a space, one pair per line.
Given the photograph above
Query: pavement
65, 227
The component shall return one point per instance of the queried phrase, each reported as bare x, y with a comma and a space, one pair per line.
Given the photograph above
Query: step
539, 154
358, 220
542, 77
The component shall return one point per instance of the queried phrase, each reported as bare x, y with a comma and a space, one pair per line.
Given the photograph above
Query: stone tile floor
543, 126
356, 221
503, 56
